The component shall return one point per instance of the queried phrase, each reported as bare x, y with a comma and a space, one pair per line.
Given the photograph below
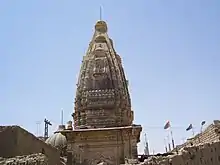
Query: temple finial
100, 13
62, 116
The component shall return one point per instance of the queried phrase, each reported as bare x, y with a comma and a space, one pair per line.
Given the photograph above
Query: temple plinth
103, 119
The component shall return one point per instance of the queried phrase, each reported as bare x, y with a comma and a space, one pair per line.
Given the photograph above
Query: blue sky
170, 51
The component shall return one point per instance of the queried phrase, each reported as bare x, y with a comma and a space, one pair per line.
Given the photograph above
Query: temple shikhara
102, 131
103, 118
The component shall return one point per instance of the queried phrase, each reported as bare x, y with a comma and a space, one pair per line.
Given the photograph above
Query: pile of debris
34, 159
209, 153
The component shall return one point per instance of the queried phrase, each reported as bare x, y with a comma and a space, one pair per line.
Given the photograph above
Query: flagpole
202, 124
167, 126
173, 144
168, 137
193, 132
171, 133
200, 132
146, 150
165, 145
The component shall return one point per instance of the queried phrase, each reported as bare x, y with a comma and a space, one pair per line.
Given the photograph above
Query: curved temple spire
102, 96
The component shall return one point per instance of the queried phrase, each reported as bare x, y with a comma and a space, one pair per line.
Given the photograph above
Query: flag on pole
167, 125
203, 123
189, 127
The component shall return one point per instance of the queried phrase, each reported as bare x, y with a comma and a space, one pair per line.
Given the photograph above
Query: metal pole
193, 133
165, 145
62, 116
173, 144
100, 13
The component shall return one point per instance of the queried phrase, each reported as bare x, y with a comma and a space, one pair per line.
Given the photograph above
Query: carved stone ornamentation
102, 85
103, 131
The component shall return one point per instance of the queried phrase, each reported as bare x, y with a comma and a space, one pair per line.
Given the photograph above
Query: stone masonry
204, 154
102, 97
103, 117
110, 145
34, 159
209, 135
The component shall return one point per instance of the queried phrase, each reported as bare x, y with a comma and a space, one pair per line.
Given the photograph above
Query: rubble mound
208, 153
34, 159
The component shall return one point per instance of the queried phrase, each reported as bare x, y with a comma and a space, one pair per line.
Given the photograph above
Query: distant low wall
208, 154
34, 159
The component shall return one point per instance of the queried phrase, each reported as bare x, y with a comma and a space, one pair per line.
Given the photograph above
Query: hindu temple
103, 117
102, 130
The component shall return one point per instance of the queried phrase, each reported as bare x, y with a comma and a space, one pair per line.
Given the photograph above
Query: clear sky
170, 51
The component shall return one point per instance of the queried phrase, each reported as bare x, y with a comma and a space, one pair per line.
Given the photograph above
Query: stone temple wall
207, 154
34, 159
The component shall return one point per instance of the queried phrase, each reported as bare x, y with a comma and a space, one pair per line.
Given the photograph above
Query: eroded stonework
209, 135
104, 132
110, 145
207, 154
102, 97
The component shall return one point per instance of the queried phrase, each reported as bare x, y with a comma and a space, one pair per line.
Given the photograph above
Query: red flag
167, 125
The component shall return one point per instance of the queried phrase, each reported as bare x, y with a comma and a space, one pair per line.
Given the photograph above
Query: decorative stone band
99, 93
103, 134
